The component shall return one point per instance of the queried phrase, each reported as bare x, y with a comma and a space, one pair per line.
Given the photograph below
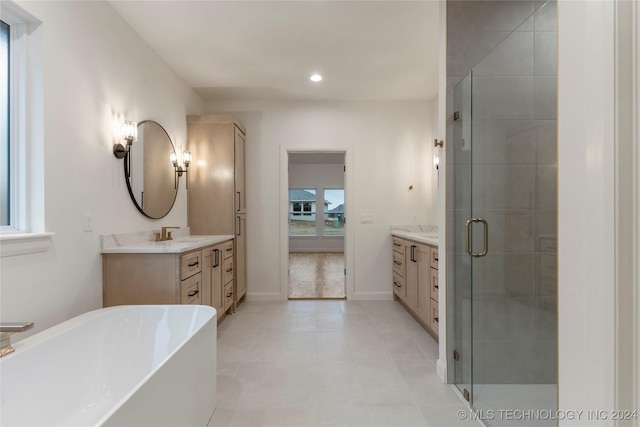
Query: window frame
328, 212
306, 209
25, 233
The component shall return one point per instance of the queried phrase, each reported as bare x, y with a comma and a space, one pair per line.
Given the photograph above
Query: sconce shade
186, 158
129, 133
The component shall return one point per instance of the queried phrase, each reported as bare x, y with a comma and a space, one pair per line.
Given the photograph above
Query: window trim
26, 230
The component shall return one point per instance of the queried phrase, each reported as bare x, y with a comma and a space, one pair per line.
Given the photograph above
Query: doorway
316, 218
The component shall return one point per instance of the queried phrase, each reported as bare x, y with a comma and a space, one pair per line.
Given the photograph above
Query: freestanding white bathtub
117, 366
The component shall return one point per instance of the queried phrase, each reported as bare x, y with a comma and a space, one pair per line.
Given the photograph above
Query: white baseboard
312, 250
264, 296
441, 370
372, 296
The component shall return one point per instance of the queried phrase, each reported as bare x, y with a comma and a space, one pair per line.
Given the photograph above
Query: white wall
586, 209
391, 145
318, 176
95, 68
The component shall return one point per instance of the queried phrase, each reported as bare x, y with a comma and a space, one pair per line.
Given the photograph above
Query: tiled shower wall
514, 177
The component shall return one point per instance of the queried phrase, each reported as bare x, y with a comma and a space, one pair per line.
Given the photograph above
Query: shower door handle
486, 238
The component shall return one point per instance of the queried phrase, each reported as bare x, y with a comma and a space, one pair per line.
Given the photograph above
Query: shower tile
503, 97
545, 97
547, 222
504, 362
546, 362
547, 142
520, 181
504, 141
546, 17
502, 318
487, 16
546, 186
546, 318
546, 53
513, 57
520, 232
519, 274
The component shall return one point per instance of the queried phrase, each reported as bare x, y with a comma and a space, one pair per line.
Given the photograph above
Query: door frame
284, 213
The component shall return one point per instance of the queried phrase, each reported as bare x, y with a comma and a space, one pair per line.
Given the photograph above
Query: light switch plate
366, 218
88, 222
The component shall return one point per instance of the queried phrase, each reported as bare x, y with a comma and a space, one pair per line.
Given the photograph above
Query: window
21, 139
312, 212
5, 149
302, 212
334, 212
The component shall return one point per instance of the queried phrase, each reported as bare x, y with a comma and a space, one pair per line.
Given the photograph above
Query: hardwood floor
315, 275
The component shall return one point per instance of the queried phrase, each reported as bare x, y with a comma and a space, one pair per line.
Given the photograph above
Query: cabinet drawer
398, 245
228, 249
434, 257
190, 264
434, 284
228, 295
191, 289
227, 273
398, 285
398, 263
435, 320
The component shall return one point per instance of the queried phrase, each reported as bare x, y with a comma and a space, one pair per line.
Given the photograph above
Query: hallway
316, 275
330, 363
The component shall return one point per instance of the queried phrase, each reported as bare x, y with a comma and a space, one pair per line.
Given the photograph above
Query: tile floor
330, 363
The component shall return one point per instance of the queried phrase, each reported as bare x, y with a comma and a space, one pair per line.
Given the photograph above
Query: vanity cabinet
200, 276
415, 280
216, 197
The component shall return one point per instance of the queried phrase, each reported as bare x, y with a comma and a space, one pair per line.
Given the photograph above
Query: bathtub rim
58, 329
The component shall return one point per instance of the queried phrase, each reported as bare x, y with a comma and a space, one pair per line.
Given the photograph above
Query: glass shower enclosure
501, 222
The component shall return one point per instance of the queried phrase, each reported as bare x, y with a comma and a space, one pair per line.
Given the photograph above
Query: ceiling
267, 50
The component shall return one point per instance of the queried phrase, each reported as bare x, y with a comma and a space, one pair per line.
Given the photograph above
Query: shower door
458, 212
502, 210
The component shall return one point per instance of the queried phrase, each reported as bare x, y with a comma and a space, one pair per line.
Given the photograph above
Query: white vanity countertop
419, 233
175, 246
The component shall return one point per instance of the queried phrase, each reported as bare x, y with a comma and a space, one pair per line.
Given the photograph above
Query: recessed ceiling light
315, 77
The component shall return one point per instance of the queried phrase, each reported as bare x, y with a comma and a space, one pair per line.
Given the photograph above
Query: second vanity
185, 270
415, 273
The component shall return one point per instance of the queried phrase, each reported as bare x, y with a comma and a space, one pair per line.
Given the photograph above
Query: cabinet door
239, 172
211, 205
207, 265
241, 248
217, 297
423, 255
411, 274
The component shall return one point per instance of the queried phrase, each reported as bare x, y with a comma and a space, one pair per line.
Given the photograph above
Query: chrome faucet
6, 330
166, 235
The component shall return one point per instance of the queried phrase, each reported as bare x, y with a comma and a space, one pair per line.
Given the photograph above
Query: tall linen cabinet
216, 196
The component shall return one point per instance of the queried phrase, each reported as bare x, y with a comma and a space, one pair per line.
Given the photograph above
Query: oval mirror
148, 170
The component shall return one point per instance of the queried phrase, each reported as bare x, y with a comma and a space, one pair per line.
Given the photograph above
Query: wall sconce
186, 161
436, 161
437, 143
128, 132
